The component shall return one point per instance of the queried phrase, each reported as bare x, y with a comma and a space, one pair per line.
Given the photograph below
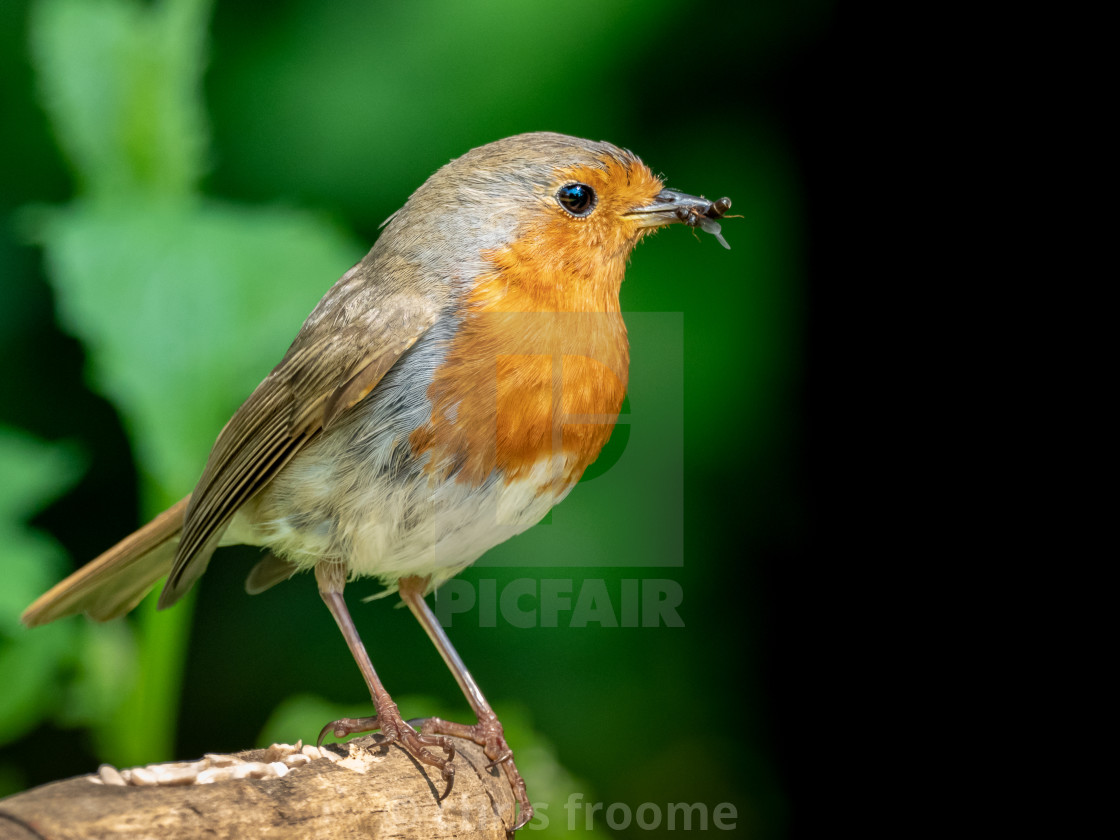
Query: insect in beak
695, 211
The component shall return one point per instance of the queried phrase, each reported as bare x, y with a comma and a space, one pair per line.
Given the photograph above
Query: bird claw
506, 756
488, 734
394, 730
345, 727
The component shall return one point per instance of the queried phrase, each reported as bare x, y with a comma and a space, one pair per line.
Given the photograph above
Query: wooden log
369, 790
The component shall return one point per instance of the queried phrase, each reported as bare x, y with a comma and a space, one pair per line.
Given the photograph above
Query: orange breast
538, 369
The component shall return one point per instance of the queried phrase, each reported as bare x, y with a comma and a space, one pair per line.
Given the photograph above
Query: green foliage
30, 663
120, 81
400, 88
172, 295
183, 308
70, 671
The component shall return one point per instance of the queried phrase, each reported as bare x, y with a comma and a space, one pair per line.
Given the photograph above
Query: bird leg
331, 577
487, 733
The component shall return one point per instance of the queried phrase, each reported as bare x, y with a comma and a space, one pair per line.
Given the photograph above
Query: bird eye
577, 199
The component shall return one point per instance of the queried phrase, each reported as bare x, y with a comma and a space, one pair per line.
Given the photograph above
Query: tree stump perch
369, 790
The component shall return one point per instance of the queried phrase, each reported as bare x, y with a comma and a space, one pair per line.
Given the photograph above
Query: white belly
388, 528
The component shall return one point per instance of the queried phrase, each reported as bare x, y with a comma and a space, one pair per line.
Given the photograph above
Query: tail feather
115, 582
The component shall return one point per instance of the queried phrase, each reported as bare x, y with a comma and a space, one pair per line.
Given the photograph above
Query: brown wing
348, 343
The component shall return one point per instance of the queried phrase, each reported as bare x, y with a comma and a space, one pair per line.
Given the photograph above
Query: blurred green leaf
182, 305
443, 77
104, 672
184, 308
34, 474
120, 81
300, 717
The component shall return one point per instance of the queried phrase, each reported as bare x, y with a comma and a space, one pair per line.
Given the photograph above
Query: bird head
539, 221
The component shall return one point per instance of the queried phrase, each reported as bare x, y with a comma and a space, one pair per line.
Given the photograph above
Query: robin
441, 398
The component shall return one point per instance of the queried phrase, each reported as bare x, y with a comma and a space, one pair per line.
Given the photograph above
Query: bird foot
489, 735
395, 730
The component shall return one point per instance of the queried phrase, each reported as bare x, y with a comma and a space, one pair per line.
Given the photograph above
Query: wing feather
344, 349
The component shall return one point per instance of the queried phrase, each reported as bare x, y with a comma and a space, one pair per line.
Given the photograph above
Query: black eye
577, 199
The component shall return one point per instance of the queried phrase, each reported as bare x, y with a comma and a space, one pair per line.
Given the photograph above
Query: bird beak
695, 211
